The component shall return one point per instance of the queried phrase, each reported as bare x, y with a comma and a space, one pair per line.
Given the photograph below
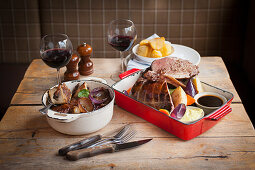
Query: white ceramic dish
83, 123
95, 79
180, 51
206, 108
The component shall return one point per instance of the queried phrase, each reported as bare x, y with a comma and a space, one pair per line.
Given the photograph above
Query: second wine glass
121, 36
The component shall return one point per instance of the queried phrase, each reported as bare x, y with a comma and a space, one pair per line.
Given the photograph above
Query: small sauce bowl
209, 101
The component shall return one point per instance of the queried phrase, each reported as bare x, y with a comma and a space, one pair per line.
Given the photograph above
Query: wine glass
56, 51
121, 36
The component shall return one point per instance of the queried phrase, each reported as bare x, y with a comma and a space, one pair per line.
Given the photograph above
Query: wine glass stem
58, 76
121, 62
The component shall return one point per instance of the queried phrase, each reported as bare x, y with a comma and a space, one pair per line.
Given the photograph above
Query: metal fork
120, 140
125, 138
119, 135
45, 109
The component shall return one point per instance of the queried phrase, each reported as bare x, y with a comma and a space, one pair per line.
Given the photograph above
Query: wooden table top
28, 142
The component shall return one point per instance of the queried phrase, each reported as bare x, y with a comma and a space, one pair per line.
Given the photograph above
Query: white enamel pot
82, 123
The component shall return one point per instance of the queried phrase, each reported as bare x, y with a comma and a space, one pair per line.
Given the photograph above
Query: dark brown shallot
85, 105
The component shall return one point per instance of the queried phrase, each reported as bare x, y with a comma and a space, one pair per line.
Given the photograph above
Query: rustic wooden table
28, 142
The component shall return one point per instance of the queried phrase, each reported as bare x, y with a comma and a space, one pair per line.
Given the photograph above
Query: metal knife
80, 144
94, 140
89, 152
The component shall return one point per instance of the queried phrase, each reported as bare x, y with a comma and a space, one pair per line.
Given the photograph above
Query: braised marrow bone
60, 94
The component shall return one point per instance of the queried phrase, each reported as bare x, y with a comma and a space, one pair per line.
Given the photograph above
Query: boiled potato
154, 48
144, 42
166, 50
156, 54
157, 43
179, 96
197, 84
149, 52
143, 50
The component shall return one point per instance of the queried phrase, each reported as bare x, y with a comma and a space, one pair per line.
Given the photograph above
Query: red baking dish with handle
185, 131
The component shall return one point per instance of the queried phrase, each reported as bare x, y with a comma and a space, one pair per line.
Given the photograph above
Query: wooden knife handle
80, 144
89, 152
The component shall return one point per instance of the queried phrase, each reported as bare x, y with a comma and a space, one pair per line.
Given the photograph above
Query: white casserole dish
82, 123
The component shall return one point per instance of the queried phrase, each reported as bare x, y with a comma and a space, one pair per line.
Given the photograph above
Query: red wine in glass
121, 36
122, 43
56, 51
56, 58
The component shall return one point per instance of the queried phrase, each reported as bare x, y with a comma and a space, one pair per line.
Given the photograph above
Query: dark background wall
212, 27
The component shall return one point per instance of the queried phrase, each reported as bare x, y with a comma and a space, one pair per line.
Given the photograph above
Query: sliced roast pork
175, 67
152, 93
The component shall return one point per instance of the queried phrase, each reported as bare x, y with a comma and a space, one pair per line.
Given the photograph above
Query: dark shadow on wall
248, 64
11, 75
241, 65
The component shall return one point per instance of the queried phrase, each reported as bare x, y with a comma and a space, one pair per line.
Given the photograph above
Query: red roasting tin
185, 131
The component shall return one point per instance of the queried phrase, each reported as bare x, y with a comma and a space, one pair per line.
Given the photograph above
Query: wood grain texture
208, 67
160, 153
213, 67
18, 123
102, 68
36, 81
28, 142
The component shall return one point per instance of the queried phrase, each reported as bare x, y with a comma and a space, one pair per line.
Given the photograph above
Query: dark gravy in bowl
210, 101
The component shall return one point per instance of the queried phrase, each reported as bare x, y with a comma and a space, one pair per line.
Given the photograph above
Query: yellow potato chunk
157, 43
179, 96
143, 50
197, 84
156, 54
166, 50
149, 51
144, 42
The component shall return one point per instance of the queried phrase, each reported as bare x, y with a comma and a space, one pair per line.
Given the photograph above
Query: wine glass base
115, 77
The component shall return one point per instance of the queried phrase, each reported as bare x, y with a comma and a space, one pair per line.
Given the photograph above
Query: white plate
180, 51
186, 53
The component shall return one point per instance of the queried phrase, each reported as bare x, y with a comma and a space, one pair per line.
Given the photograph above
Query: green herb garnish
83, 93
171, 90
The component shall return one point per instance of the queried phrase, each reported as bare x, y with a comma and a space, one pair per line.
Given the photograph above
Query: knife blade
89, 152
80, 144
